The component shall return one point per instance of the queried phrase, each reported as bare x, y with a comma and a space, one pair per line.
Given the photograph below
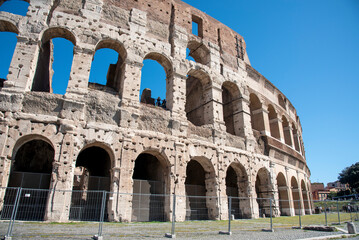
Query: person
163, 103
158, 103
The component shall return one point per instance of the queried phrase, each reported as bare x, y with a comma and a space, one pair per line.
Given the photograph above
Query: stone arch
201, 190
16, 7
151, 184
33, 157
263, 191
255, 107
196, 84
273, 122
283, 193
42, 81
305, 197
6, 26
295, 195
115, 73
286, 131
230, 103
92, 177
27, 138
199, 52
167, 66
8, 33
237, 188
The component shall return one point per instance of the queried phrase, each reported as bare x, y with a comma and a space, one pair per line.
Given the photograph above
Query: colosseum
225, 130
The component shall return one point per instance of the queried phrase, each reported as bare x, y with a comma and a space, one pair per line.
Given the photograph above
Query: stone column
290, 194
213, 112
302, 208
128, 157
180, 187
274, 191
114, 198
22, 67
222, 188
80, 73
59, 199
130, 85
242, 122
176, 92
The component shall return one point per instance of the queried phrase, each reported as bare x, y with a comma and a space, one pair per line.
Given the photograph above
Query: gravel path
185, 230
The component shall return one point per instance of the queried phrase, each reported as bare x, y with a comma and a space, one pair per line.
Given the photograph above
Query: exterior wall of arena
222, 117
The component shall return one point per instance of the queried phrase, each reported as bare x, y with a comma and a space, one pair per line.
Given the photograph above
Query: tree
350, 175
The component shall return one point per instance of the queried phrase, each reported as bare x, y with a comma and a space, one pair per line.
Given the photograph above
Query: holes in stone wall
194, 101
149, 177
104, 70
273, 122
284, 206
198, 52
256, 113
156, 79
197, 26
230, 94
7, 48
54, 61
153, 84
18, 7
263, 191
286, 131
295, 195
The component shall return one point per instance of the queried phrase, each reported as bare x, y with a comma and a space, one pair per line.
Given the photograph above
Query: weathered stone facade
221, 114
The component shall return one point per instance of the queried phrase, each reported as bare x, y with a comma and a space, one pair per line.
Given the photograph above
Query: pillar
80, 72
59, 200
22, 67
290, 194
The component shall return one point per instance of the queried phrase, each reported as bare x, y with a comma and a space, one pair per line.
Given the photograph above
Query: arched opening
273, 122
108, 65
284, 205
281, 102
286, 131
8, 33
54, 61
236, 188
255, 107
263, 192
200, 186
196, 82
295, 137
295, 195
156, 77
18, 7
91, 179
305, 198
198, 52
230, 96
150, 180
31, 170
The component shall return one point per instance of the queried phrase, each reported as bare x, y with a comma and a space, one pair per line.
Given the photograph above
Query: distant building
319, 192
337, 186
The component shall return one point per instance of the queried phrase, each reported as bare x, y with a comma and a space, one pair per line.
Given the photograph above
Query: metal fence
176, 211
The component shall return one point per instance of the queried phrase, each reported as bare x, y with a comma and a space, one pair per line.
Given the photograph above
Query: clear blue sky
308, 49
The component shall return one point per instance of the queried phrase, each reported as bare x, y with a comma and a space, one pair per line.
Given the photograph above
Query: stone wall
192, 127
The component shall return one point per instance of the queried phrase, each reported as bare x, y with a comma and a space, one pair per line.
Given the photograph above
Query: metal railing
236, 214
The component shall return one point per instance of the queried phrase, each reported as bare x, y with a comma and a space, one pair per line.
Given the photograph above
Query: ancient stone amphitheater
225, 130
